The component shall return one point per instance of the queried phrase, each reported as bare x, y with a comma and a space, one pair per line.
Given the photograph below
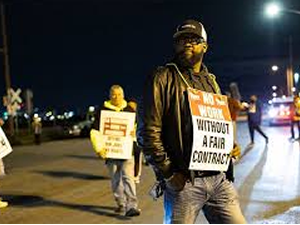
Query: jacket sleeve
151, 123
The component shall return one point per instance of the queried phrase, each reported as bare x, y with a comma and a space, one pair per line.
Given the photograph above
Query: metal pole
289, 73
6, 64
292, 11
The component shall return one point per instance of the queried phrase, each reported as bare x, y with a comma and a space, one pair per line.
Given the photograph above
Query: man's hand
236, 151
176, 182
102, 153
96, 140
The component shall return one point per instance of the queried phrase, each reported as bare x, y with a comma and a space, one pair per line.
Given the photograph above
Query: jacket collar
184, 69
107, 104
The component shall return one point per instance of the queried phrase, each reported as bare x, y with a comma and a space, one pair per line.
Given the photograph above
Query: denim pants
122, 182
214, 195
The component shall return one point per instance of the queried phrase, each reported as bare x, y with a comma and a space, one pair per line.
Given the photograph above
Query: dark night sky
70, 51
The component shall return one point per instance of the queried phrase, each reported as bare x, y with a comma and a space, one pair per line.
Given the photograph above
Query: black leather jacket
165, 127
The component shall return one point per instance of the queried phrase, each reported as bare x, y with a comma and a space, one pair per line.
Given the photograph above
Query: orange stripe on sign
209, 105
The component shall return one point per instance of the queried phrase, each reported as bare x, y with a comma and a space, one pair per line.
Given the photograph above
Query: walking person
121, 170
254, 119
3, 204
137, 151
295, 117
235, 106
167, 135
37, 129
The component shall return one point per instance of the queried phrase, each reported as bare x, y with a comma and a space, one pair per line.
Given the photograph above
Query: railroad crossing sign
12, 101
14, 96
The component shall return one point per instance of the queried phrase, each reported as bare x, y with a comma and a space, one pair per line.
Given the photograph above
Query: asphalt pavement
64, 182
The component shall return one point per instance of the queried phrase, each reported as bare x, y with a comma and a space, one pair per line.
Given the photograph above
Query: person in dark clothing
254, 119
137, 151
166, 135
295, 117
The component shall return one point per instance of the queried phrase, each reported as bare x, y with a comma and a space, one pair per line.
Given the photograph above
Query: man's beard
189, 62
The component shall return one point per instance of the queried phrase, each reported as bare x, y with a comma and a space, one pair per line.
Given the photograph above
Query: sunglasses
188, 39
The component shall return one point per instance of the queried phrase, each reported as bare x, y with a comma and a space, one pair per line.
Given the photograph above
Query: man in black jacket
166, 135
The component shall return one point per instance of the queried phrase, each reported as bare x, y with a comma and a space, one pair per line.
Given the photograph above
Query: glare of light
70, 114
283, 96
274, 88
296, 77
293, 89
52, 118
60, 117
91, 108
273, 112
270, 102
26, 116
48, 114
35, 115
275, 68
274, 94
272, 9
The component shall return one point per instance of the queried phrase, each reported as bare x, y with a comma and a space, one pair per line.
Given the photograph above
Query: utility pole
4, 50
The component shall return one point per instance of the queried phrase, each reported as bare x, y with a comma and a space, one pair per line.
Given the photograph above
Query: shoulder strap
180, 74
215, 84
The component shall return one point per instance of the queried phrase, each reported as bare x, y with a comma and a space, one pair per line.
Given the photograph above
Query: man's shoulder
161, 73
161, 70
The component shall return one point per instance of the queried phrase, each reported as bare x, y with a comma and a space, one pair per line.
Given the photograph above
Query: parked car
80, 129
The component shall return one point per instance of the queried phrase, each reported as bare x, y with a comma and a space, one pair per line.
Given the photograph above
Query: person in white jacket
121, 170
3, 204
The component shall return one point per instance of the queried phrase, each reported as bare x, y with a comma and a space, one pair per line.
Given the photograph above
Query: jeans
252, 128
214, 195
122, 182
293, 122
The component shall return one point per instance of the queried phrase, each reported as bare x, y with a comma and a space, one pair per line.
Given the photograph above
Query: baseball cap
191, 27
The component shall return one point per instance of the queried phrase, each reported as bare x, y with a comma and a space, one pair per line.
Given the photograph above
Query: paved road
64, 182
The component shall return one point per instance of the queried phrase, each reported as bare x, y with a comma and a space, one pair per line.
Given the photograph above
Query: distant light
91, 108
293, 89
272, 9
36, 115
275, 68
70, 114
52, 118
48, 114
60, 117
26, 116
296, 77
274, 88
270, 102
274, 94
283, 96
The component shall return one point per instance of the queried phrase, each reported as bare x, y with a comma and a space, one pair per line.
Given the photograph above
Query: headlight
272, 112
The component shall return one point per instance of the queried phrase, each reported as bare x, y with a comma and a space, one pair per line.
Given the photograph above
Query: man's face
253, 98
116, 96
190, 48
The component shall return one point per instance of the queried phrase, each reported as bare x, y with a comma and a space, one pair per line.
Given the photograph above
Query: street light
275, 68
272, 10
